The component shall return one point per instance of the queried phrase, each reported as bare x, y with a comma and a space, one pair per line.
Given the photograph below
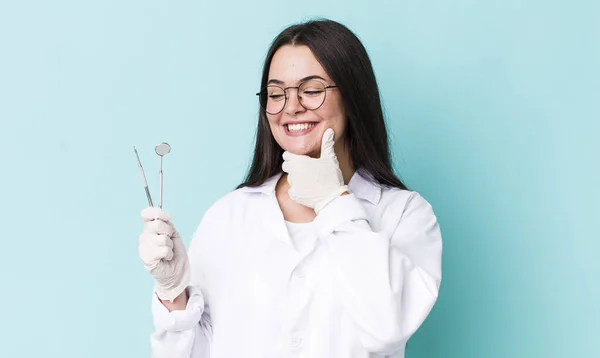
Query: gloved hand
315, 182
163, 254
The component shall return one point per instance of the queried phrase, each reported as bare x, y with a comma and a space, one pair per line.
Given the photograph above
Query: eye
312, 92
276, 97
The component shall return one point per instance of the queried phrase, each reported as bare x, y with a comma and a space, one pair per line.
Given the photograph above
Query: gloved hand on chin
315, 182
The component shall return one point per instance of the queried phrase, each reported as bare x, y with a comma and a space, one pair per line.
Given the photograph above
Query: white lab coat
368, 281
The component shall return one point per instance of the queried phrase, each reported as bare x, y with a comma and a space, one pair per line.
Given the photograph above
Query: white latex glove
163, 254
315, 182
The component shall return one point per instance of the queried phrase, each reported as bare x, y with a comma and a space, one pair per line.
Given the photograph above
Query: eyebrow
307, 78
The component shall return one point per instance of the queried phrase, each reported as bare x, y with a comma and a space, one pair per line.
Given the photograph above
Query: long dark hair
346, 61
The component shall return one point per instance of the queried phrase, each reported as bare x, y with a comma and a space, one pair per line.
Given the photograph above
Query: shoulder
230, 204
403, 199
222, 220
385, 199
405, 206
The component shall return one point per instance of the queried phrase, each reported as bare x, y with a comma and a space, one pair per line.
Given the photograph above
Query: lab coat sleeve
181, 334
187, 333
388, 281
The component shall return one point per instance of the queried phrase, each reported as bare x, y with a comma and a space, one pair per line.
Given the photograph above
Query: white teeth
300, 126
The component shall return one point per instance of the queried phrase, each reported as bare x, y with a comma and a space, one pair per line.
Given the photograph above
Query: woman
322, 251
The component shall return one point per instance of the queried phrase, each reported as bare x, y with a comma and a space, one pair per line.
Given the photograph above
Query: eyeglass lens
311, 95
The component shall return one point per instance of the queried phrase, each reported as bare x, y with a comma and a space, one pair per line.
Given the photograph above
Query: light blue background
494, 110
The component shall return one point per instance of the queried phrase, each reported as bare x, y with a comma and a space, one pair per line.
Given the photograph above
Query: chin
311, 152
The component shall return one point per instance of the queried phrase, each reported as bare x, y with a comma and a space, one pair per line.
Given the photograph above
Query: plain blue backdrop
494, 115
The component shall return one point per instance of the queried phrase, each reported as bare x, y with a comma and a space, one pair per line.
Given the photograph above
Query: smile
296, 129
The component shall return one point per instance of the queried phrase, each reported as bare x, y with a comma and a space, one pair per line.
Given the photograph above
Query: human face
289, 66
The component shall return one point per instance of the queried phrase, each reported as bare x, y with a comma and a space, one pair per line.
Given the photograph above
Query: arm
389, 280
183, 328
182, 333
178, 304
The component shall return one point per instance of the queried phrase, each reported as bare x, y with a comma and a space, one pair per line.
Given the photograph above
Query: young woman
322, 251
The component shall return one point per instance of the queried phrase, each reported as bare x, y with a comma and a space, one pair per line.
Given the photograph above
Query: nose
293, 106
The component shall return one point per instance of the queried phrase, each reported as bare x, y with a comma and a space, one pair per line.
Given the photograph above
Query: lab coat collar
362, 185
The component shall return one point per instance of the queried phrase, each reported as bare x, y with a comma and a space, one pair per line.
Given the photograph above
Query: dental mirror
161, 149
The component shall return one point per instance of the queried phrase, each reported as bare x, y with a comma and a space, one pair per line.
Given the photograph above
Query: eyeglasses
311, 95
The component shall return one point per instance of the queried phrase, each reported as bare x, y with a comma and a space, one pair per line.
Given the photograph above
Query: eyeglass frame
325, 88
